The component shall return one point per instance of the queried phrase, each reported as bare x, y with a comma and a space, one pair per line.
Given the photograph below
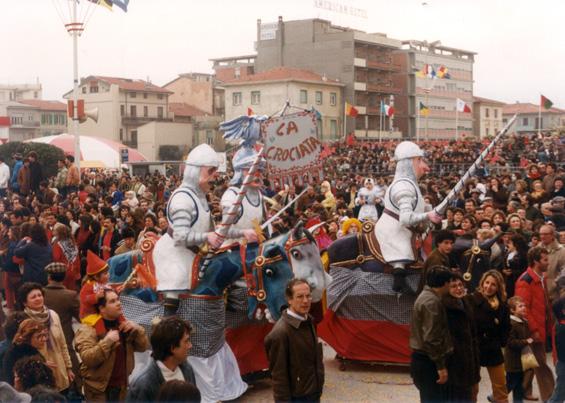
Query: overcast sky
520, 44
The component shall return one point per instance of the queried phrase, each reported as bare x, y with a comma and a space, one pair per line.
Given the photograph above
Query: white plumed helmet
203, 156
407, 149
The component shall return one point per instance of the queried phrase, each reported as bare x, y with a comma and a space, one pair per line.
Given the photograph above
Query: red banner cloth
366, 340
248, 346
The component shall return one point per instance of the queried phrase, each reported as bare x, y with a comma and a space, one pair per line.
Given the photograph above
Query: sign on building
268, 31
292, 149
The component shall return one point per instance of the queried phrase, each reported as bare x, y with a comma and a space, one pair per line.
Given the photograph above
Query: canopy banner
292, 149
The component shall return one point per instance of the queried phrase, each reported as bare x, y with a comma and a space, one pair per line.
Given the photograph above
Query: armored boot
171, 305
399, 284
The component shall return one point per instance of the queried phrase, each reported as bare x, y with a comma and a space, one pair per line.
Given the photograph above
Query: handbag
528, 359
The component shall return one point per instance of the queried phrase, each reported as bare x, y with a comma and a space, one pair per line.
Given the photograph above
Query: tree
48, 154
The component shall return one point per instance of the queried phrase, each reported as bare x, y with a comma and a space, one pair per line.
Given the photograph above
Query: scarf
69, 250
40, 316
493, 302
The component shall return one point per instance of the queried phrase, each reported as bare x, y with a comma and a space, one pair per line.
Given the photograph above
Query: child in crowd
559, 312
518, 338
97, 276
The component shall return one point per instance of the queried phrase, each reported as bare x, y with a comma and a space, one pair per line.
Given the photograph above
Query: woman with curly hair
516, 261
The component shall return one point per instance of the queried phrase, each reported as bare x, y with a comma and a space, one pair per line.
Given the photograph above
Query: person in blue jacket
17, 166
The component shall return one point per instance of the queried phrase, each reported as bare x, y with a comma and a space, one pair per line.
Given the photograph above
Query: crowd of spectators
49, 226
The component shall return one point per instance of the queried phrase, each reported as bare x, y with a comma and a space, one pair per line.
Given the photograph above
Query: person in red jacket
531, 287
97, 276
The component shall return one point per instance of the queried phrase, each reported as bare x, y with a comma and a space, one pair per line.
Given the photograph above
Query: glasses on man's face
302, 297
457, 285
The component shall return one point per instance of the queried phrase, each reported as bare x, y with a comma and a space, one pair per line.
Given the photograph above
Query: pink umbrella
94, 151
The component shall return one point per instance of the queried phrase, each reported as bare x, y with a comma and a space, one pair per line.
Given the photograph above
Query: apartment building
487, 117
529, 118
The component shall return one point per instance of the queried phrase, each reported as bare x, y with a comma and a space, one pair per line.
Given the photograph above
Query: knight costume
368, 197
404, 215
190, 222
252, 210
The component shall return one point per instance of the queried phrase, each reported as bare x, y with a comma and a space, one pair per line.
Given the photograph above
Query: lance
440, 208
290, 203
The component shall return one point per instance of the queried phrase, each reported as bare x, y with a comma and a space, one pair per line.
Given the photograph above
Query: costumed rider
190, 226
404, 216
368, 197
252, 211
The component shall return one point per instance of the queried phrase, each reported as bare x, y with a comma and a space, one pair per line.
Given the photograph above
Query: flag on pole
462, 106
442, 73
546, 103
389, 111
424, 110
350, 110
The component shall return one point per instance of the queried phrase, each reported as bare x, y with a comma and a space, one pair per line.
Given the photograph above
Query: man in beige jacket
106, 351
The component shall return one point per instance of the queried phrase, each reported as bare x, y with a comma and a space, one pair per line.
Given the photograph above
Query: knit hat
94, 264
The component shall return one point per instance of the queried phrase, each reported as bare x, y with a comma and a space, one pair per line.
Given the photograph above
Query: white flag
460, 105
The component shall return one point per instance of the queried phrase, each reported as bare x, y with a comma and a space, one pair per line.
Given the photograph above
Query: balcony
383, 89
26, 124
374, 64
139, 120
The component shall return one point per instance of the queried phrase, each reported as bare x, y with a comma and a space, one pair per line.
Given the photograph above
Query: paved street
362, 383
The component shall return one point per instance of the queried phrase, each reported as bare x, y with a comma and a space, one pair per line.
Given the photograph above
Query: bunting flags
123, 4
424, 110
350, 110
461, 106
429, 71
545, 103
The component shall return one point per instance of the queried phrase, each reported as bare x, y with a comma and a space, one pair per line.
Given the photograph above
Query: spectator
35, 253
35, 171
430, 341
29, 340
61, 178
73, 175
66, 304
516, 261
518, 338
463, 366
127, 243
31, 301
66, 252
556, 254
106, 350
30, 372
11, 325
559, 312
18, 164
176, 391
170, 341
92, 290
531, 287
108, 241
493, 325
11, 271
4, 177
24, 178
293, 349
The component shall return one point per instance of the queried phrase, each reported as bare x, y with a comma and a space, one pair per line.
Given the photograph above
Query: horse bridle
260, 266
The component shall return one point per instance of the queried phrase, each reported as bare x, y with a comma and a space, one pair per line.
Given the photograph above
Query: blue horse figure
266, 269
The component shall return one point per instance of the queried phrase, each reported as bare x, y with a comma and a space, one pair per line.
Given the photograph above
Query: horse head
294, 254
304, 257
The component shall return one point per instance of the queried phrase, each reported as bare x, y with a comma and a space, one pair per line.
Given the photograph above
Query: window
318, 97
486, 131
134, 138
144, 95
43, 119
159, 96
84, 90
495, 113
255, 97
133, 111
55, 119
209, 137
333, 99
160, 112
35, 94
122, 110
145, 111
486, 113
237, 72
504, 121
303, 96
236, 96
121, 134
525, 122
133, 95
94, 89
333, 128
